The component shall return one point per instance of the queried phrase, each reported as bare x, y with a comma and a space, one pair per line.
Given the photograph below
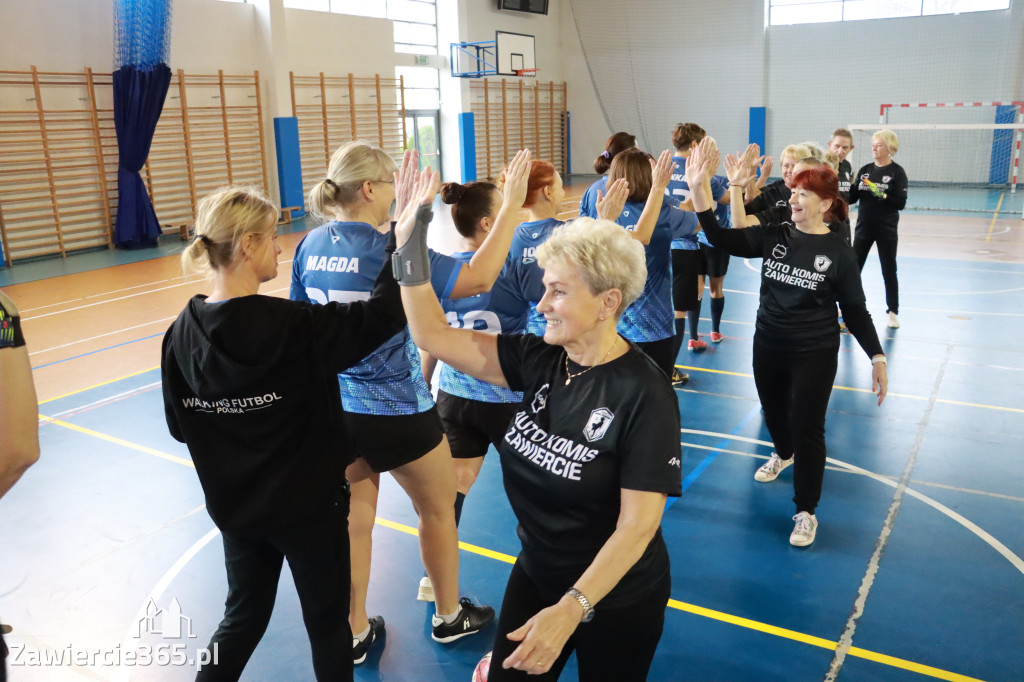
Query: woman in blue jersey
617, 143
473, 413
387, 404
693, 258
649, 321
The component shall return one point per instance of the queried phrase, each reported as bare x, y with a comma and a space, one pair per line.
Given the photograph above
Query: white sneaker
894, 322
771, 469
426, 591
804, 530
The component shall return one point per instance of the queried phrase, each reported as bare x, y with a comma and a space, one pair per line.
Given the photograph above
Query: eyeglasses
388, 182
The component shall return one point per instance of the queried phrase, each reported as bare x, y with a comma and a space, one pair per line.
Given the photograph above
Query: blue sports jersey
588, 202
679, 190
525, 284
650, 317
475, 313
339, 261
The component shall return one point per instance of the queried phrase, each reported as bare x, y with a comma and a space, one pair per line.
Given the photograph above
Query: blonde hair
796, 152
832, 159
351, 165
889, 138
815, 150
222, 219
607, 257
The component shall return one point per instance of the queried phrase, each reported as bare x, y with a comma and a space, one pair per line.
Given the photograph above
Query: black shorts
387, 442
685, 269
714, 262
472, 425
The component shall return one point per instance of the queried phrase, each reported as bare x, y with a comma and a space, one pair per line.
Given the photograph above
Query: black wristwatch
588, 610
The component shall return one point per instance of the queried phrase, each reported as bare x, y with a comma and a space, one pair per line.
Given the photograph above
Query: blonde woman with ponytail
387, 404
250, 386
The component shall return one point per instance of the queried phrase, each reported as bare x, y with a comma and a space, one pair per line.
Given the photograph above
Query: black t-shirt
803, 276
571, 449
880, 216
774, 194
845, 172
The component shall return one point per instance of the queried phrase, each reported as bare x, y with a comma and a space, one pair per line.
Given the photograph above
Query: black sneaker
360, 649
471, 620
679, 378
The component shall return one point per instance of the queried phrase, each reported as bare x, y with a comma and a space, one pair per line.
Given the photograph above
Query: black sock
459, 499
693, 317
717, 306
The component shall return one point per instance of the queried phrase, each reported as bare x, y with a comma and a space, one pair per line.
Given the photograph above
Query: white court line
754, 455
100, 336
1014, 560
124, 672
96, 403
122, 298
747, 263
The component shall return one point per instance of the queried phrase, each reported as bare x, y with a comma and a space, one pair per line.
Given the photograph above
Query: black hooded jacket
250, 385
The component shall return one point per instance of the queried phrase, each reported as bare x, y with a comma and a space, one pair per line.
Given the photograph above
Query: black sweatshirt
880, 216
803, 276
845, 173
250, 385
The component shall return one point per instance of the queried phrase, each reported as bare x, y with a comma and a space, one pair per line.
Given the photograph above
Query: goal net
958, 156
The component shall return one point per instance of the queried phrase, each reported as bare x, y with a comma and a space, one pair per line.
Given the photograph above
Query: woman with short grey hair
588, 460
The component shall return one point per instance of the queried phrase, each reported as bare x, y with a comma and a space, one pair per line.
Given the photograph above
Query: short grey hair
606, 255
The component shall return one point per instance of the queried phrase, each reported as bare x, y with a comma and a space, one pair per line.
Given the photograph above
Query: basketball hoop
523, 72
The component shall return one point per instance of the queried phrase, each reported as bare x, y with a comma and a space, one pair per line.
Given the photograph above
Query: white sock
451, 617
361, 637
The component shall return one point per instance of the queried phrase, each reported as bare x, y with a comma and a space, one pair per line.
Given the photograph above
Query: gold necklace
570, 376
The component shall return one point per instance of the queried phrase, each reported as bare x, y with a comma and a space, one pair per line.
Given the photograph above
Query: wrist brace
411, 261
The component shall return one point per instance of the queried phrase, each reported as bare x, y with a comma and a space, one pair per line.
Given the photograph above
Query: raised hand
516, 180
698, 166
609, 206
661, 170
423, 189
736, 170
766, 170
404, 180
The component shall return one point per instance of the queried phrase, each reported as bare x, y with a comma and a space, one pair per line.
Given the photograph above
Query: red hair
824, 182
542, 174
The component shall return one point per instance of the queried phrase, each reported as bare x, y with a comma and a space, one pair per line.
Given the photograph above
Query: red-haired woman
806, 270
616, 144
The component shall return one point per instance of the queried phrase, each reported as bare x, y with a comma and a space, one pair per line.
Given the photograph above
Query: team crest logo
886, 178
540, 399
597, 425
782, 202
779, 252
821, 263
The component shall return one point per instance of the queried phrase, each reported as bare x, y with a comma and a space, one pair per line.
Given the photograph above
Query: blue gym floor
916, 572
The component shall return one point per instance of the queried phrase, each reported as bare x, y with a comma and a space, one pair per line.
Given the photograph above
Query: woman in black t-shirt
881, 188
806, 270
588, 461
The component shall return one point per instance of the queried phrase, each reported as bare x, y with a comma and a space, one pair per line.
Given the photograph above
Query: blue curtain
139, 95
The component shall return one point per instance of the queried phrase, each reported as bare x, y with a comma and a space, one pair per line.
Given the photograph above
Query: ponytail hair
222, 219
824, 182
542, 174
470, 204
351, 165
617, 143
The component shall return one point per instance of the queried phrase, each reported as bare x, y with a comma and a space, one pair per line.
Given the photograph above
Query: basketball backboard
515, 53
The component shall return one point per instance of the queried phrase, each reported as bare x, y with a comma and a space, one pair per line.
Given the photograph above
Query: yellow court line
994, 216
119, 441
944, 401
884, 659
105, 383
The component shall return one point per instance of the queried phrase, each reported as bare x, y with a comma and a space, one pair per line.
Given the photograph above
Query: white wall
659, 62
